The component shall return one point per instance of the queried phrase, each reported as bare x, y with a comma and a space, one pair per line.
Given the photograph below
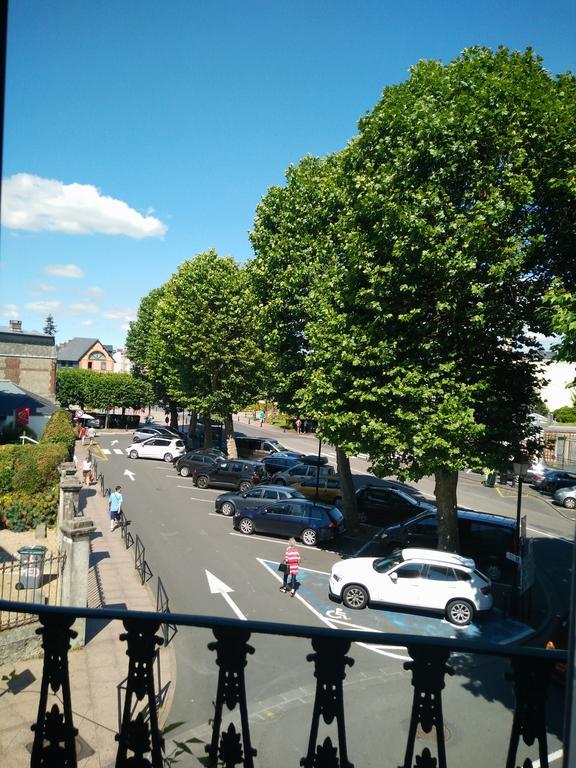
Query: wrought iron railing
29, 580
139, 738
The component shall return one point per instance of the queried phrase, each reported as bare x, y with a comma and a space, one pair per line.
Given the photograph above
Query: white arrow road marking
217, 587
129, 474
106, 451
114, 442
118, 451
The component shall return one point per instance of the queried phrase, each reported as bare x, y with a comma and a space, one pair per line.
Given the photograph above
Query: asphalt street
209, 569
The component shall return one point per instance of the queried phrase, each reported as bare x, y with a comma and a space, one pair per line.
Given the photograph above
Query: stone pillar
69, 491
75, 538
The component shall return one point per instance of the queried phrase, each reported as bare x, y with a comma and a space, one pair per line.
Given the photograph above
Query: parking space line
195, 498
117, 451
259, 538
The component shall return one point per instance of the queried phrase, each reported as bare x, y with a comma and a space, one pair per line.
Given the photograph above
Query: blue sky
140, 133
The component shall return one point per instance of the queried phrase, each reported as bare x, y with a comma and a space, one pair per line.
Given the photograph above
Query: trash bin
31, 567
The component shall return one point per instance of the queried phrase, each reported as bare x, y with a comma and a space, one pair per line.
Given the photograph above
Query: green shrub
59, 430
36, 467
23, 512
8, 455
566, 415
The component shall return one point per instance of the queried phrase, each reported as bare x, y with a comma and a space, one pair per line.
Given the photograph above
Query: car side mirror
394, 577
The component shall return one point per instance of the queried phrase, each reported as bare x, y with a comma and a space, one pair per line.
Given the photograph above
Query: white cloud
83, 308
96, 292
120, 313
35, 204
42, 287
11, 311
63, 270
125, 326
87, 322
43, 306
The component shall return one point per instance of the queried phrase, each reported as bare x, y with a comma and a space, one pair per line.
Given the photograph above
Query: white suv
414, 578
163, 448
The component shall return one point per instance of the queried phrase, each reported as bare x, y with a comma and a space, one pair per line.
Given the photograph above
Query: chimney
16, 326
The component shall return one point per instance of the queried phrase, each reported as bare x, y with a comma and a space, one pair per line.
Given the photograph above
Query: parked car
189, 463
299, 518
566, 497
164, 448
554, 480
235, 473
299, 472
258, 447
143, 433
216, 452
260, 496
484, 537
278, 462
536, 471
327, 487
558, 641
415, 578
385, 504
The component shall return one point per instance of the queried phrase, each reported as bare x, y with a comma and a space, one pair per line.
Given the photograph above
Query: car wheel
246, 526
245, 485
167, 457
569, 502
493, 571
460, 612
202, 481
309, 537
279, 481
184, 471
133, 454
228, 509
354, 596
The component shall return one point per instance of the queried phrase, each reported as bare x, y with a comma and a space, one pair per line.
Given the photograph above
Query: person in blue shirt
115, 506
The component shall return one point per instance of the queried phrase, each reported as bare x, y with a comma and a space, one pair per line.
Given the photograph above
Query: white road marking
259, 538
118, 451
549, 535
129, 474
195, 498
107, 451
218, 587
114, 442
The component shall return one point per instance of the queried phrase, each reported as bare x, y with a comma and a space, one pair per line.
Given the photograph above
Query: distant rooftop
76, 348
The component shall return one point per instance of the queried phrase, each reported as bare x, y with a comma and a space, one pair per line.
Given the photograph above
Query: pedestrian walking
91, 435
82, 433
115, 506
87, 470
291, 563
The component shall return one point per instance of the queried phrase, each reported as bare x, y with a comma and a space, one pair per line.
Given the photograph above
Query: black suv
484, 537
190, 463
384, 505
234, 473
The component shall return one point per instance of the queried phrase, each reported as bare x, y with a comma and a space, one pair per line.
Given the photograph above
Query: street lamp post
521, 464
318, 470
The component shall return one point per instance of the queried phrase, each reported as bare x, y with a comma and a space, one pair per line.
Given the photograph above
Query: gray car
566, 497
301, 472
260, 496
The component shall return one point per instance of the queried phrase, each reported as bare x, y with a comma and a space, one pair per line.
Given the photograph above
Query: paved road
184, 539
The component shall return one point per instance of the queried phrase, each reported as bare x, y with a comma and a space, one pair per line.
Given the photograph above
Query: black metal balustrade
140, 742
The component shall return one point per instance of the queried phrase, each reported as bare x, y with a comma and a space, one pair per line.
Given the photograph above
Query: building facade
87, 354
28, 359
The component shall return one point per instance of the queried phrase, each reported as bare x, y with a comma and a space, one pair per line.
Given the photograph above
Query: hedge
59, 430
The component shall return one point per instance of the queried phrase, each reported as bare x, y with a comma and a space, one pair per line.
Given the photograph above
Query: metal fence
26, 581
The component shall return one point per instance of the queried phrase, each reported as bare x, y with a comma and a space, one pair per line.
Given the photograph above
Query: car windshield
277, 444
383, 564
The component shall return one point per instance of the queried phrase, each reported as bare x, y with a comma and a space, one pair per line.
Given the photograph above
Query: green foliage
202, 342
101, 390
50, 326
565, 415
8, 454
20, 511
36, 466
59, 430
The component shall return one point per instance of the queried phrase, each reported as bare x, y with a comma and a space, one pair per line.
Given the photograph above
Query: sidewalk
97, 670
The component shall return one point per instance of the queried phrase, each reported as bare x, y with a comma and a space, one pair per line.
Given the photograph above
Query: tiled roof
12, 397
76, 348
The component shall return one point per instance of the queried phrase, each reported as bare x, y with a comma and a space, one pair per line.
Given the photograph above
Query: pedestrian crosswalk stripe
106, 451
119, 451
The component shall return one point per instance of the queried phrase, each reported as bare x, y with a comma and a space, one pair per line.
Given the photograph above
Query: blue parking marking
313, 589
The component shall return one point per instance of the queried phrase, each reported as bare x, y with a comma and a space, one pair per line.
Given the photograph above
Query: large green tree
93, 389
456, 189
203, 342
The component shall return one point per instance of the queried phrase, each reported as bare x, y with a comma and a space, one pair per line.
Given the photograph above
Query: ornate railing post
54, 732
531, 678
429, 669
330, 662
230, 747
139, 735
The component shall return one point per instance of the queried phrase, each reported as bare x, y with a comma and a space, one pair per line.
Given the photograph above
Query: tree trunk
445, 492
230, 442
207, 421
349, 505
192, 425
173, 414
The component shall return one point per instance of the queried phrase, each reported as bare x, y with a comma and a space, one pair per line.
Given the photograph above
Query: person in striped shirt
292, 563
